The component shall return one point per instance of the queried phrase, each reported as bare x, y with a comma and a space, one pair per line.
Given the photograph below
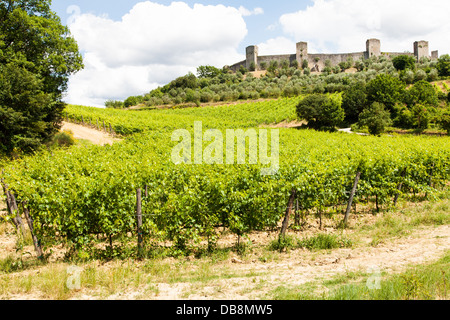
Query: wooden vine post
13, 209
36, 242
399, 187
139, 220
289, 209
350, 201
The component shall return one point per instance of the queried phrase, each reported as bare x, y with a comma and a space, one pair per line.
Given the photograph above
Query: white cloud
279, 45
345, 25
245, 12
150, 46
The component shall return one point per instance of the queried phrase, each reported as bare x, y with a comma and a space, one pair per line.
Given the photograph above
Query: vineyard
80, 195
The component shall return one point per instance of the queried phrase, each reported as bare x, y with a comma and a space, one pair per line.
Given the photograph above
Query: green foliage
385, 89
354, 100
88, 191
64, 139
421, 92
208, 72
263, 65
37, 56
443, 65
445, 121
25, 110
404, 62
376, 118
188, 81
320, 111
114, 104
304, 64
131, 101
421, 116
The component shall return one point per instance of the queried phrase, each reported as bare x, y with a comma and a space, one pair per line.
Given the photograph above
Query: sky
131, 47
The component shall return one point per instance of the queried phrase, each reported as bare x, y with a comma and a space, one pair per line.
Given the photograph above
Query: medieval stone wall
316, 61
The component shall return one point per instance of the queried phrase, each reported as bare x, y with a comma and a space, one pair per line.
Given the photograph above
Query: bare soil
92, 135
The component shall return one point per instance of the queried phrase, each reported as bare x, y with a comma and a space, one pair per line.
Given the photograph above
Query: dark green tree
422, 92
443, 65
354, 100
320, 111
188, 81
404, 62
37, 56
376, 118
208, 72
444, 121
385, 89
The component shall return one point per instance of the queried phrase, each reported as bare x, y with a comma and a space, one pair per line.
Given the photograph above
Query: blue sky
255, 23
131, 47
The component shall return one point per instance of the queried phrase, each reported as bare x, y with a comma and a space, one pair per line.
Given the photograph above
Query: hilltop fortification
316, 61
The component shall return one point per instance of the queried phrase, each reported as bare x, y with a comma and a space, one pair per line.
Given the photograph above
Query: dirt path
95, 136
301, 266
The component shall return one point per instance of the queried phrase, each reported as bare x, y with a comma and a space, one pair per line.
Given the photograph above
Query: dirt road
92, 135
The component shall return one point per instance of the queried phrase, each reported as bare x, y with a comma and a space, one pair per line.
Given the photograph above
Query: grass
321, 241
421, 282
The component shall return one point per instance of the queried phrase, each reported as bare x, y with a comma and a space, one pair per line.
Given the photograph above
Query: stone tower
421, 49
301, 52
373, 48
252, 56
434, 55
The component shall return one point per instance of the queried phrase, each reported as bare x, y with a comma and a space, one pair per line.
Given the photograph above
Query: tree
263, 65
187, 81
320, 111
354, 100
443, 65
385, 89
376, 118
404, 62
305, 64
422, 92
131, 101
37, 56
208, 72
444, 121
421, 117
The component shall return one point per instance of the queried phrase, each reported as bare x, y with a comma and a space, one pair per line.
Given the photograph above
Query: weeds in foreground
422, 282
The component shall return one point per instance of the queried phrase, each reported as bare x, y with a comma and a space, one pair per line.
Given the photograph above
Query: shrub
422, 92
114, 104
385, 89
320, 111
421, 117
305, 64
263, 65
404, 62
443, 65
444, 120
376, 118
64, 139
354, 100
433, 75
420, 75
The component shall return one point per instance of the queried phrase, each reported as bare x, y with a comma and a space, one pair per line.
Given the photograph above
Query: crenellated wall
316, 61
